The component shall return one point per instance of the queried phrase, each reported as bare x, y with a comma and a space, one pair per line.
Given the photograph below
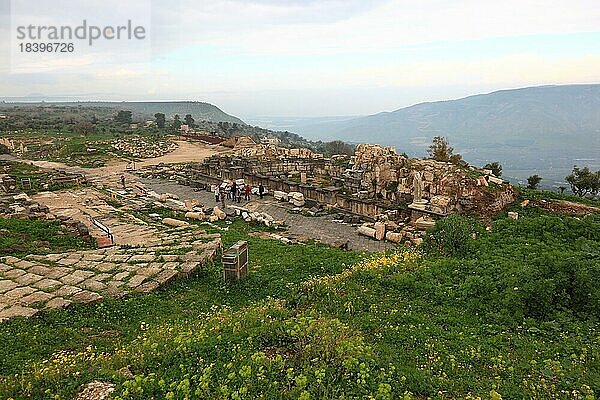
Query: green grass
514, 317
23, 236
275, 269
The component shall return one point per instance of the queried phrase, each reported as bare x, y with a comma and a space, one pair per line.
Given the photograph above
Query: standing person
217, 194
261, 190
123, 181
248, 189
233, 191
240, 189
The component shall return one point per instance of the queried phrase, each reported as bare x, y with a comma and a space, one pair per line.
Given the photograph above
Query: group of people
235, 192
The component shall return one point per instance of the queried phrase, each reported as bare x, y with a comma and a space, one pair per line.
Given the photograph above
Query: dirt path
566, 207
110, 175
185, 152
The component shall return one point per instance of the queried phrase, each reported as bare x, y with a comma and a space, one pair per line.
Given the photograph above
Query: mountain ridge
542, 127
146, 109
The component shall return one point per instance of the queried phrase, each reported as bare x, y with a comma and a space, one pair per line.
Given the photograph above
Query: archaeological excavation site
224, 261
146, 221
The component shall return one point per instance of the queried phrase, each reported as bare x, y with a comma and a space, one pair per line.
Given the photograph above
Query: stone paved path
85, 204
322, 228
53, 281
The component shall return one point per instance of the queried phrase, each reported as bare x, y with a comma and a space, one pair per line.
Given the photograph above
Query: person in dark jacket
240, 189
261, 190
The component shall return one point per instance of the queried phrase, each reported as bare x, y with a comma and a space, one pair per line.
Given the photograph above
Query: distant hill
546, 128
199, 110
145, 110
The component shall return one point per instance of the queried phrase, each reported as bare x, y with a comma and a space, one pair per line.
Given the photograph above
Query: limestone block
86, 297
195, 215
17, 311
219, 213
424, 223
513, 215
280, 196
296, 198
394, 237
379, 230
366, 231
190, 204
165, 196
174, 222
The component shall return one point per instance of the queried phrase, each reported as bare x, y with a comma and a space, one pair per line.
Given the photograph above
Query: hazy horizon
35, 98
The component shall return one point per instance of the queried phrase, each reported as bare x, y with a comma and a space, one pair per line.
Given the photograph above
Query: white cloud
382, 43
253, 28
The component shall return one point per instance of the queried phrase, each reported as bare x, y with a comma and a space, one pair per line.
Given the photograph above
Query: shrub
452, 236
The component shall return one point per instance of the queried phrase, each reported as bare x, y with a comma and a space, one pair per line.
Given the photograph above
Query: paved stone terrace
53, 281
321, 228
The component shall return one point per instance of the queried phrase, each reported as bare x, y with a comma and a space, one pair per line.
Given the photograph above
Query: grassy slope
495, 322
22, 237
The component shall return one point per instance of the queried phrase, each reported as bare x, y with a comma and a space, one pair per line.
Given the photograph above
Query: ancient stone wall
372, 181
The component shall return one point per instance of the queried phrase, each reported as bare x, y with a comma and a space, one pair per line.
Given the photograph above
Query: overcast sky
310, 57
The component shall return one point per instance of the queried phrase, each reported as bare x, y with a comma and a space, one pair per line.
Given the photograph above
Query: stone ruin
23, 207
433, 187
244, 146
8, 184
55, 179
15, 147
376, 179
375, 184
140, 147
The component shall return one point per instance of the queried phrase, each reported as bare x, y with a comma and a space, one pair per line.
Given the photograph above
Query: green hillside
145, 110
511, 314
199, 110
538, 128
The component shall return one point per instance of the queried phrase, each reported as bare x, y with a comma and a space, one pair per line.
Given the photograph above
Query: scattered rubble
96, 390
394, 232
373, 181
566, 207
257, 217
140, 147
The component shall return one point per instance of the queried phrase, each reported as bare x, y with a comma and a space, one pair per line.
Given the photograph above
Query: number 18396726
51, 47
